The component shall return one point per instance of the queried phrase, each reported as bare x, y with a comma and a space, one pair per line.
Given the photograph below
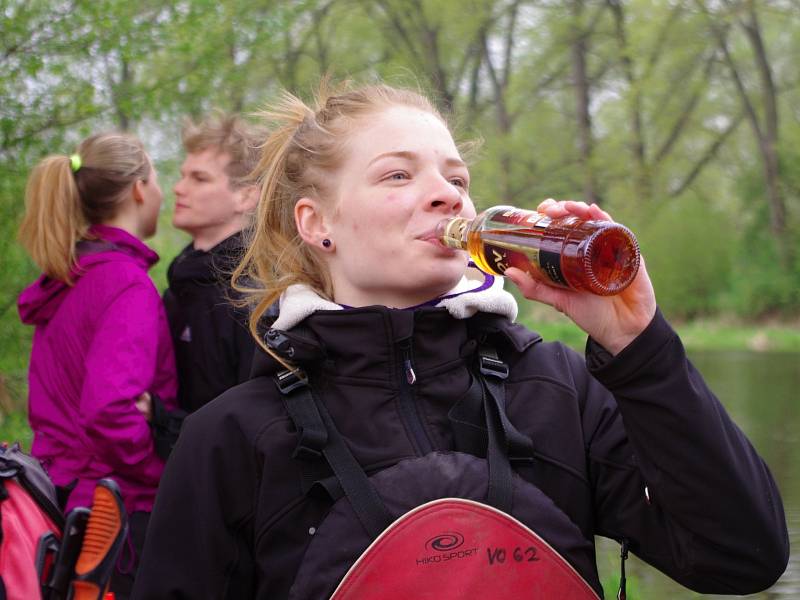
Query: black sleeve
199, 538
679, 479
166, 426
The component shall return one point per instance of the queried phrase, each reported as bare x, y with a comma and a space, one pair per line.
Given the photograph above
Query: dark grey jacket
213, 346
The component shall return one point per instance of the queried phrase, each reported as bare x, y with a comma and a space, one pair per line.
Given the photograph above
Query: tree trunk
121, 92
768, 141
766, 134
643, 185
584, 119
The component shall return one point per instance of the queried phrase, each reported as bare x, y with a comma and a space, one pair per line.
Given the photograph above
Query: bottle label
550, 263
513, 239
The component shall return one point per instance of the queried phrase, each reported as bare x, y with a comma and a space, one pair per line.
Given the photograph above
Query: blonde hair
61, 203
306, 145
228, 134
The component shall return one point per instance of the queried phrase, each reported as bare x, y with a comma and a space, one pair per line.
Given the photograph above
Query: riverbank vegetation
718, 333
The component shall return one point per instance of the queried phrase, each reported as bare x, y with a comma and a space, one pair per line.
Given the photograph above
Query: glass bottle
600, 257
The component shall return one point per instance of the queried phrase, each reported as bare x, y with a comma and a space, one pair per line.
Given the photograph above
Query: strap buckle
289, 380
492, 367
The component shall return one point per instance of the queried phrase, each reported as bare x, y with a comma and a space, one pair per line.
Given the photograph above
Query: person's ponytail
66, 195
54, 220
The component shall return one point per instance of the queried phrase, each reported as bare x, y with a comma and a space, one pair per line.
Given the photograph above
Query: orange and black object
105, 535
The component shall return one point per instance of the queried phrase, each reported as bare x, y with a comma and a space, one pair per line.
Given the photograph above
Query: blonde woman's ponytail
54, 220
65, 195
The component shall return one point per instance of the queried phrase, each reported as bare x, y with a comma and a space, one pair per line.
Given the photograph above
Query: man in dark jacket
213, 202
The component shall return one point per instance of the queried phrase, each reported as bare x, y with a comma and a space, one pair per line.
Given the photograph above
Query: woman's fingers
561, 208
536, 290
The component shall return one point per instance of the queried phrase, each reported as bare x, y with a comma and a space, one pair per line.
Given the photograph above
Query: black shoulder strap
318, 437
318, 434
494, 372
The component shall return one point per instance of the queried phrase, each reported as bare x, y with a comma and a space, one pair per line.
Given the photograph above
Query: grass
717, 335
700, 335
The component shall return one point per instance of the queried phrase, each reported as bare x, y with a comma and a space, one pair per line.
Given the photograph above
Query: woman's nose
445, 196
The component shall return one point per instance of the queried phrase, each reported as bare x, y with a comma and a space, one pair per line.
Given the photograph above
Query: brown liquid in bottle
600, 257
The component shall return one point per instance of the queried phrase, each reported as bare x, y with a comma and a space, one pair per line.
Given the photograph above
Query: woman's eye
459, 182
397, 176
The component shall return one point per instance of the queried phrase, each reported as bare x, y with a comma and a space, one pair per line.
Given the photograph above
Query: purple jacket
97, 346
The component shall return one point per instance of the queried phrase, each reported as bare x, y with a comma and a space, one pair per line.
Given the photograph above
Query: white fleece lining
299, 301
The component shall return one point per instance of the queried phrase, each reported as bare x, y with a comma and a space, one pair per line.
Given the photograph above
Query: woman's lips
435, 241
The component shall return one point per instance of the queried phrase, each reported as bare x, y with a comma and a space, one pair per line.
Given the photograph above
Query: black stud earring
326, 242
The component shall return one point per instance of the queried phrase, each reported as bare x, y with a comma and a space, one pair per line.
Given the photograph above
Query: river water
761, 391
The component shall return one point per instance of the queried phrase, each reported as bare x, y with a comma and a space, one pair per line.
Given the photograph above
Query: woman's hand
612, 321
145, 405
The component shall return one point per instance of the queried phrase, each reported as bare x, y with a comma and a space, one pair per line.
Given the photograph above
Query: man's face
204, 200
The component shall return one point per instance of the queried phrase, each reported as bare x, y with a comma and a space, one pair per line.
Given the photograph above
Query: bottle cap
451, 232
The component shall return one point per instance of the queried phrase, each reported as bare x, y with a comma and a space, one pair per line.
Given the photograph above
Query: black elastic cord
623, 555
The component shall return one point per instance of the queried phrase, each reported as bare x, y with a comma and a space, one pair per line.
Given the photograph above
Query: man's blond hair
228, 134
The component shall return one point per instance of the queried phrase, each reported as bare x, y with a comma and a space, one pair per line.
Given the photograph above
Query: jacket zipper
409, 410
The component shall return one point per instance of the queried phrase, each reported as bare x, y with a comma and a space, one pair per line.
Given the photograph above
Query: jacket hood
39, 301
476, 292
207, 266
311, 329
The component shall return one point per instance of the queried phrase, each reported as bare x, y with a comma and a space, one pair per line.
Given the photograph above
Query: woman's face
151, 203
401, 176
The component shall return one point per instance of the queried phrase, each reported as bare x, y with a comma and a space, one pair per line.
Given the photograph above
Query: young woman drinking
369, 370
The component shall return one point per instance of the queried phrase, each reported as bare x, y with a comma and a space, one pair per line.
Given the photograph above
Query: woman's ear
311, 223
137, 191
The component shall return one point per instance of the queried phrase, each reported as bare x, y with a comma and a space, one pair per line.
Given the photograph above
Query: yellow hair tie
75, 162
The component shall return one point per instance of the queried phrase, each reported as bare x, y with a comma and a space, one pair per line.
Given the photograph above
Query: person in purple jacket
101, 347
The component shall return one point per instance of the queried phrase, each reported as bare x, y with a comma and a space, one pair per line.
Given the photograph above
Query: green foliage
673, 152
14, 428
688, 248
16, 348
763, 284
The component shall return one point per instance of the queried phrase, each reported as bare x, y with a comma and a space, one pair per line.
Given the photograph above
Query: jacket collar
369, 343
118, 240
475, 292
213, 265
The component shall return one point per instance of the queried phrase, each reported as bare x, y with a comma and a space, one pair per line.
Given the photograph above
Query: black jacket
231, 521
213, 347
